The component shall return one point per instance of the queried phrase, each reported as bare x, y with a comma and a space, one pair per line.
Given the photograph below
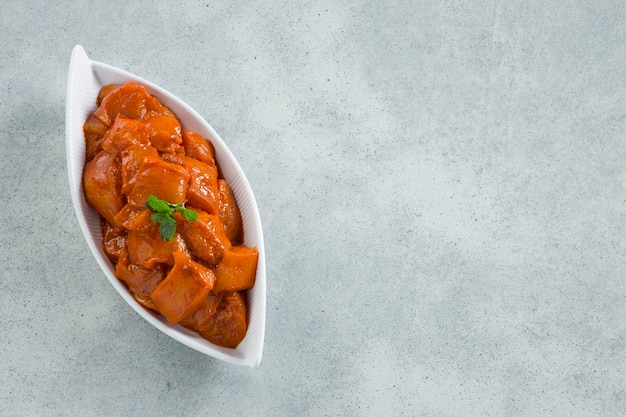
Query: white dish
85, 79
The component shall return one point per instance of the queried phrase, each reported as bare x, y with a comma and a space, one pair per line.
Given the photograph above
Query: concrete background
442, 186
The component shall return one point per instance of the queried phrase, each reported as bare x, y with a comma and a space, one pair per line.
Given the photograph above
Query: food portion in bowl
169, 220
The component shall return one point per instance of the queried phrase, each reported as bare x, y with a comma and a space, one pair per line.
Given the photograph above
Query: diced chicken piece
125, 132
165, 133
229, 213
206, 237
140, 281
237, 269
147, 248
103, 185
203, 184
198, 147
228, 326
184, 289
199, 320
113, 240
132, 158
131, 100
166, 181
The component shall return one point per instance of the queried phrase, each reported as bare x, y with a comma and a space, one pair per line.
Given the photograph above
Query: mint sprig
164, 215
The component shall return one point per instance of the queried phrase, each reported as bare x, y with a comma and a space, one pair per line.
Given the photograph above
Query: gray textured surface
441, 184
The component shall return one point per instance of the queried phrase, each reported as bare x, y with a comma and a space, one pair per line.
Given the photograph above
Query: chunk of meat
199, 321
139, 280
205, 236
103, 186
229, 213
131, 100
228, 326
104, 91
237, 269
113, 240
146, 301
134, 218
166, 181
196, 146
132, 158
165, 132
94, 131
147, 248
203, 185
184, 289
124, 133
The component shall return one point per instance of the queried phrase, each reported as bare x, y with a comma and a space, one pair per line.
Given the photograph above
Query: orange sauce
137, 147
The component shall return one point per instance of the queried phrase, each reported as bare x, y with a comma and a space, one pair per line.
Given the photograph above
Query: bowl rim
84, 71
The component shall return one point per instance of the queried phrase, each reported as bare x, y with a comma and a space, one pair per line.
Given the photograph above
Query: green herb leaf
164, 215
167, 228
157, 205
189, 215
161, 217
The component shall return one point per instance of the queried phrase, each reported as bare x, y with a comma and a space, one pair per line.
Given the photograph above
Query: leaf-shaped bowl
85, 79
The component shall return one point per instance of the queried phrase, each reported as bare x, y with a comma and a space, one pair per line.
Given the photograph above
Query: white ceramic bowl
85, 79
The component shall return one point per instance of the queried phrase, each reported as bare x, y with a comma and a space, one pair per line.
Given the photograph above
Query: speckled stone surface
442, 187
